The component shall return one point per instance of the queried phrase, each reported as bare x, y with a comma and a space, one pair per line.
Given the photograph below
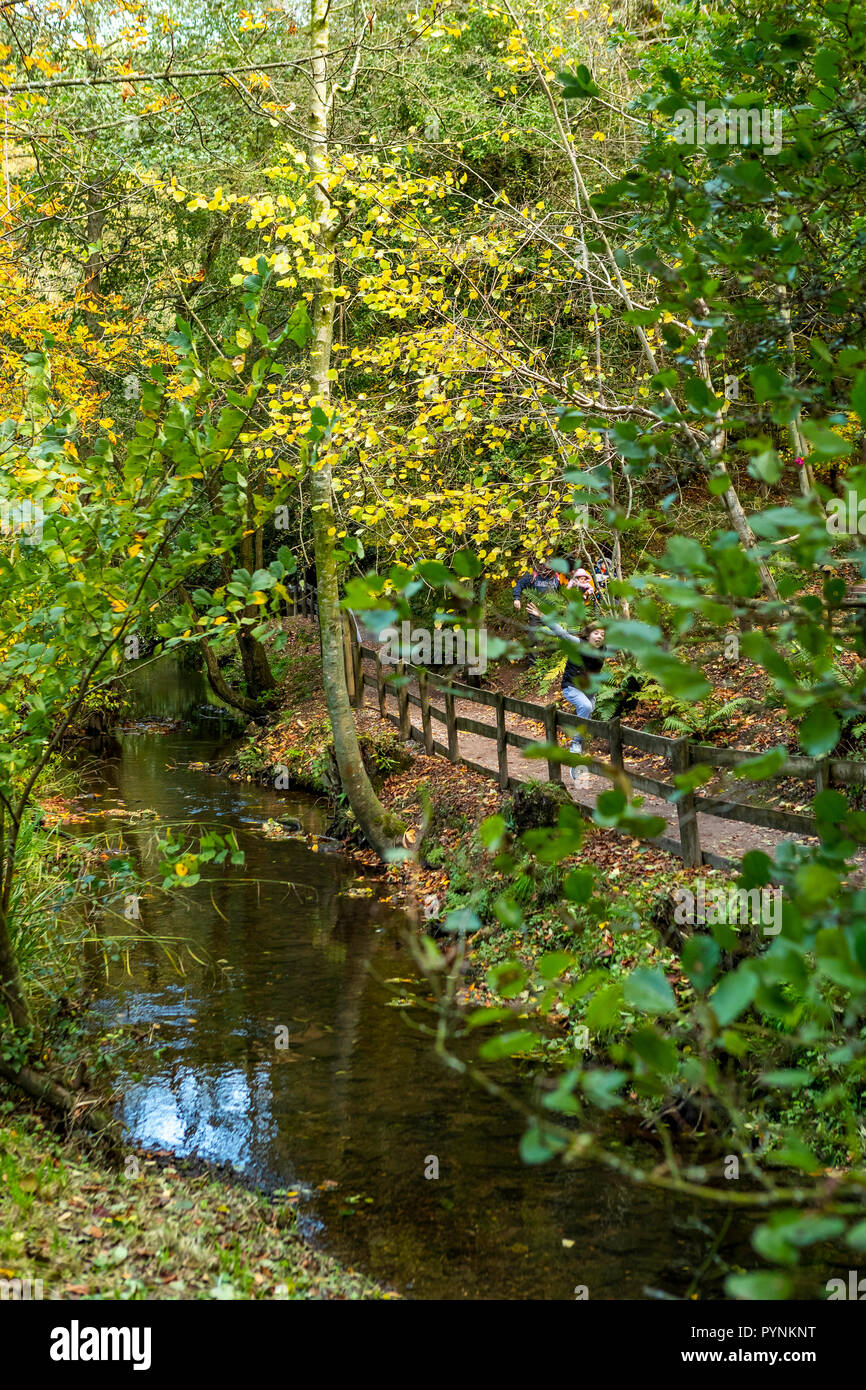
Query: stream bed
349, 1114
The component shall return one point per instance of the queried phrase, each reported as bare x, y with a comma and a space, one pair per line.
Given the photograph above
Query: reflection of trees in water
358, 1097
224, 1115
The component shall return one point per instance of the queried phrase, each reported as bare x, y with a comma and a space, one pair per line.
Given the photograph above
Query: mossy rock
535, 805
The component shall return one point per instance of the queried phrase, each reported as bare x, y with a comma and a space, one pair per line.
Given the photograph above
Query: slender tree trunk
220, 686
805, 475
257, 671
95, 221
217, 681
12, 995
378, 825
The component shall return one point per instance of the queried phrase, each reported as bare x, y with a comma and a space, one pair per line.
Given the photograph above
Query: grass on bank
147, 1231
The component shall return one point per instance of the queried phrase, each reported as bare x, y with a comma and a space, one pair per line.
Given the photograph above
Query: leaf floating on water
274, 830
358, 890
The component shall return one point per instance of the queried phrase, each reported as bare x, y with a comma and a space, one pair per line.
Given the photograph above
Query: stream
350, 1112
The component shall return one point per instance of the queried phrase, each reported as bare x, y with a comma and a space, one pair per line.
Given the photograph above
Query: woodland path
720, 837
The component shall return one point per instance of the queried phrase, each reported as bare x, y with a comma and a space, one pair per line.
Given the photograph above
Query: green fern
703, 718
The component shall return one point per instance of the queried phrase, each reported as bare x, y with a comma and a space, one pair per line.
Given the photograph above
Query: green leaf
299, 327
858, 395
508, 978
819, 733
660, 1054
856, 1236
462, 920
700, 961
604, 1009
601, 1087
825, 442
816, 884
577, 85
554, 964
767, 764
785, 1078
649, 992
481, 1018
578, 885
733, 995
537, 1146
758, 1286
507, 1045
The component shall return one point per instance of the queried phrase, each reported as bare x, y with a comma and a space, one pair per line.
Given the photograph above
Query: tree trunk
217, 681
378, 825
12, 995
254, 659
95, 220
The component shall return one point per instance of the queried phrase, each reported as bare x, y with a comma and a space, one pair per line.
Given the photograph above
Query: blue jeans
583, 707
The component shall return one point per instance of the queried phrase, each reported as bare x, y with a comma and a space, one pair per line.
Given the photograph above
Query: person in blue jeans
579, 668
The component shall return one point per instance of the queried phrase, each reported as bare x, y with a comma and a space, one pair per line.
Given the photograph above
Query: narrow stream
350, 1112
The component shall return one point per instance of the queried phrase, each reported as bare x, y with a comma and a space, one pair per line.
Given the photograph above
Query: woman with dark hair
581, 666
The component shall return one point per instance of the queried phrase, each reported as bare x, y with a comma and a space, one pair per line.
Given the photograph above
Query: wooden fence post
687, 818
451, 726
426, 726
357, 664
614, 742
380, 683
554, 769
502, 742
348, 660
822, 775
403, 705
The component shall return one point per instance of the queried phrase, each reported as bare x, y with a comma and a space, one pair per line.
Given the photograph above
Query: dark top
578, 668
538, 583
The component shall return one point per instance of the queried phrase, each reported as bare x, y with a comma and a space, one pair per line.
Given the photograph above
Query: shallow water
350, 1113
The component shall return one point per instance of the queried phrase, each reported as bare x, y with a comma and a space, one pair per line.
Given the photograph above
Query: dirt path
720, 838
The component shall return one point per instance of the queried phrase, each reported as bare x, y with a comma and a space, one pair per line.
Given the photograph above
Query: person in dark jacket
540, 581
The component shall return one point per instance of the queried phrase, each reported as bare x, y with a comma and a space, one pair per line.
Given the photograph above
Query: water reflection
350, 1112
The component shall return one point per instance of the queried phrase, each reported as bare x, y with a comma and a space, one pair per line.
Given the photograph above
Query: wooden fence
302, 601
679, 753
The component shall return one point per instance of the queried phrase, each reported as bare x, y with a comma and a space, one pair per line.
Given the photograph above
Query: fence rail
303, 600
679, 753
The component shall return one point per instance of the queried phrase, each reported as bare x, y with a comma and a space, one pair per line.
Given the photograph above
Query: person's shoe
576, 746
